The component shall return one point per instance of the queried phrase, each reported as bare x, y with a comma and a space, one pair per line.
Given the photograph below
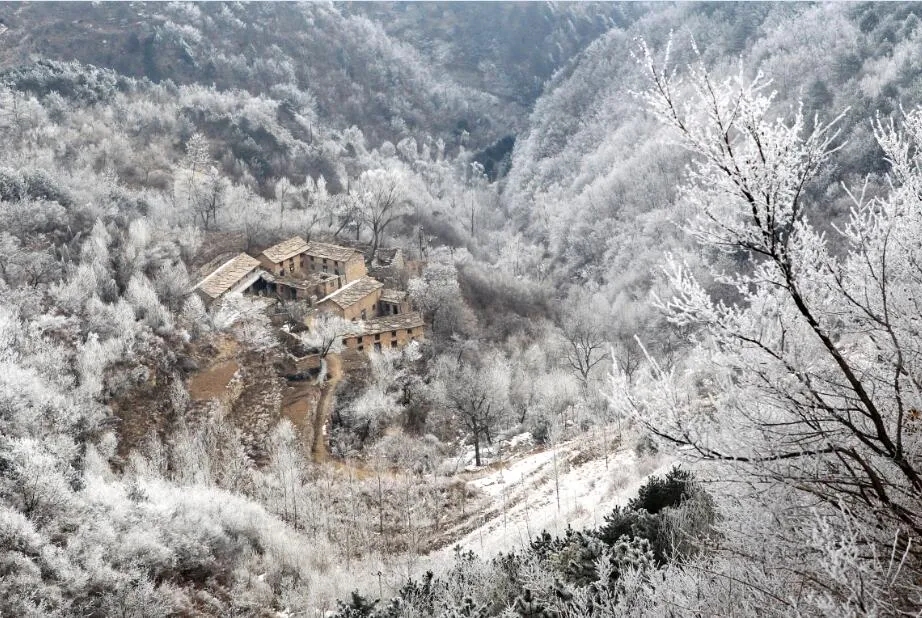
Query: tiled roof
227, 275
393, 322
389, 295
286, 249
332, 252
353, 292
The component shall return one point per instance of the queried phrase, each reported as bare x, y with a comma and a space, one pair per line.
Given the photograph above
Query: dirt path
212, 383
324, 407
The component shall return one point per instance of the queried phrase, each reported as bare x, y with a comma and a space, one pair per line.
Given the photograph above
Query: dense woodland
685, 232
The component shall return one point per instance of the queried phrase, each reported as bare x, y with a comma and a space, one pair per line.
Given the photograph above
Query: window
291, 266
394, 343
324, 260
377, 347
363, 314
361, 347
345, 341
377, 336
394, 334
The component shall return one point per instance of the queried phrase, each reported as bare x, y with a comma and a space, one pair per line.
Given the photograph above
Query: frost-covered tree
197, 157
810, 376
477, 393
380, 198
199, 186
325, 333
585, 336
438, 294
247, 319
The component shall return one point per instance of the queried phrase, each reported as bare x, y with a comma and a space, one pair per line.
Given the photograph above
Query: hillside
577, 159
347, 67
530, 310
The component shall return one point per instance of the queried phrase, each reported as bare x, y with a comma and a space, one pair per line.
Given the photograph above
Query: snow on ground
527, 498
522, 501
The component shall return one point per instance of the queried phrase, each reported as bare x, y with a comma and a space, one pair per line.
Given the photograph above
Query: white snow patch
527, 499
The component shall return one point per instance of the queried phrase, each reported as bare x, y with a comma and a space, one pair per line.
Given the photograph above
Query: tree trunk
375, 235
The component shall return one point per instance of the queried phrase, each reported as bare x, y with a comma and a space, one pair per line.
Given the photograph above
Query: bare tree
343, 213
316, 203
585, 337
380, 198
477, 393
208, 195
285, 194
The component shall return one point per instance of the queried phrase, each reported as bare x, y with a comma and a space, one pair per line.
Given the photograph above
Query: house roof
392, 322
389, 295
353, 292
332, 252
286, 249
227, 275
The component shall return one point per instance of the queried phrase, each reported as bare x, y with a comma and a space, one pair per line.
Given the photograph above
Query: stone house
296, 257
320, 257
357, 300
237, 275
387, 333
285, 258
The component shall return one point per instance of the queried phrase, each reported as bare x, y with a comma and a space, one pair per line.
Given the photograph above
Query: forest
668, 258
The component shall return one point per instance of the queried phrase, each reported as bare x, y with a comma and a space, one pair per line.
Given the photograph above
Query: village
304, 287
326, 278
